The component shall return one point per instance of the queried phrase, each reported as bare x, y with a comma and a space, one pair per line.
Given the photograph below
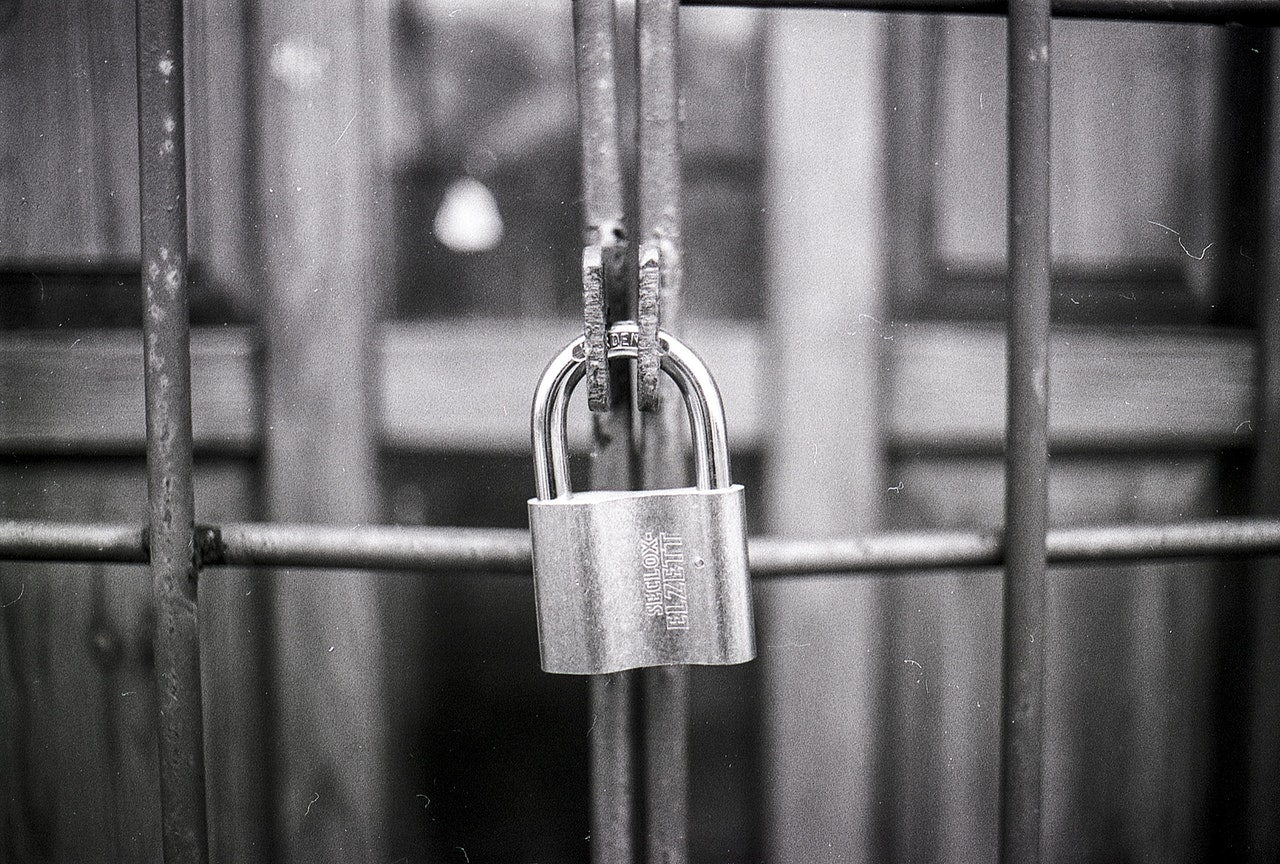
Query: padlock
640, 578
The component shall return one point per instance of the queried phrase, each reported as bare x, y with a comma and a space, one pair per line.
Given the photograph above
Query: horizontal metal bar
1252, 12
61, 541
498, 550
775, 556
506, 550
1177, 540
771, 557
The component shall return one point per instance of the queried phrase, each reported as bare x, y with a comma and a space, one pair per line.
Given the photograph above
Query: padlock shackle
685, 368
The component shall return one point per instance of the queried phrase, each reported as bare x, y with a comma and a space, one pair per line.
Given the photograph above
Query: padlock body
653, 578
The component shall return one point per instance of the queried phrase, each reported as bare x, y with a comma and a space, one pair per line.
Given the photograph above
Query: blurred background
385, 236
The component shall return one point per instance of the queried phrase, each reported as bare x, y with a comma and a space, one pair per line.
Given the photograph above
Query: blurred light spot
299, 63
468, 218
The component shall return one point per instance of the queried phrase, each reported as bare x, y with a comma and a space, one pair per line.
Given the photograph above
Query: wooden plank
77, 723
234, 659
936, 796
82, 391
823, 415
1130, 142
1143, 388
1135, 388
81, 774
316, 129
69, 98
911, 91
219, 190
468, 387
1129, 668
68, 93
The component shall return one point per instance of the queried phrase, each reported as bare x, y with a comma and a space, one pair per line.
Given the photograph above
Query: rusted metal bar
595, 327
658, 189
1250, 12
604, 291
595, 61
650, 277
1027, 442
167, 358
503, 550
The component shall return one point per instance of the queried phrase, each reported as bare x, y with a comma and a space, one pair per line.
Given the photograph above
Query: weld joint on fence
209, 549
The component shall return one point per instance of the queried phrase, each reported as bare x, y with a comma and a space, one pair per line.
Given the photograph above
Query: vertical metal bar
612, 696
604, 289
167, 357
1027, 452
666, 713
612, 767
658, 179
1262, 798
666, 764
659, 187
1237, 608
594, 56
1027, 447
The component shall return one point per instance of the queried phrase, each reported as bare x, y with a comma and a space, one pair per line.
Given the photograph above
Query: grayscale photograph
640, 431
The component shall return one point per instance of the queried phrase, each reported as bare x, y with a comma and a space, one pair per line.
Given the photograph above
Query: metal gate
179, 550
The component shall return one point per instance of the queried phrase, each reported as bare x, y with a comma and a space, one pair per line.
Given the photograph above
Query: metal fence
179, 551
